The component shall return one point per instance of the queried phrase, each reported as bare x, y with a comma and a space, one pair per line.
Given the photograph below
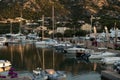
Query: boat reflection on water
28, 57
50, 73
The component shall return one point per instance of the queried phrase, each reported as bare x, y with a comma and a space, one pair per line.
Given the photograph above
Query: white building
61, 29
86, 27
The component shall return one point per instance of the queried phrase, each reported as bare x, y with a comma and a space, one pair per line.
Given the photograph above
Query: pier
111, 75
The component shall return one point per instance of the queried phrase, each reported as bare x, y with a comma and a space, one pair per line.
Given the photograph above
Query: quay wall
111, 75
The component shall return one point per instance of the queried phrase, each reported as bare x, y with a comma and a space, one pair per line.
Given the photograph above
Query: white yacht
75, 50
64, 44
60, 46
32, 37
3, 41
46, 43
4, 65
77, 53
15, 38
109, 60
100, 55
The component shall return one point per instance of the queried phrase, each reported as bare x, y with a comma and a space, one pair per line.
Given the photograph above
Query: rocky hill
63, 8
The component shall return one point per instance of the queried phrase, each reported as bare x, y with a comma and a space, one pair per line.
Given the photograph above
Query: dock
110, 75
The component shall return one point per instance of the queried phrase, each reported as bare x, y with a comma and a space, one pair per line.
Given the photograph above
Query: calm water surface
28, 57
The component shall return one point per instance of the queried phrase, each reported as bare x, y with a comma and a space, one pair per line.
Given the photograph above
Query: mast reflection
95, 66
11, 53
21, 52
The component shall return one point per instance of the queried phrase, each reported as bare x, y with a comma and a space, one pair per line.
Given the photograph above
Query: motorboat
5, 65
32, 37
59, 47
100, 55
109, 60
78, 53
76, 49
64, 44
3, 41
108, 54
15, 38
45, 43
49, 74
102, 48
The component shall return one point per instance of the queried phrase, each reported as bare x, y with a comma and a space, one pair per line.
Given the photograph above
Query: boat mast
42, 27
53, 21
115, 28
11, 27
20, 20
53, 25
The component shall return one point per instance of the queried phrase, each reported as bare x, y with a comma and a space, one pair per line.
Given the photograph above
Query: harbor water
27, 57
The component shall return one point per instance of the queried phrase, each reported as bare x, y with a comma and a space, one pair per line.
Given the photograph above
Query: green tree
69, 33
59, 35
81, 33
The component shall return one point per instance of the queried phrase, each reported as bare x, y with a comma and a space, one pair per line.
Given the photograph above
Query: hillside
64, 9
